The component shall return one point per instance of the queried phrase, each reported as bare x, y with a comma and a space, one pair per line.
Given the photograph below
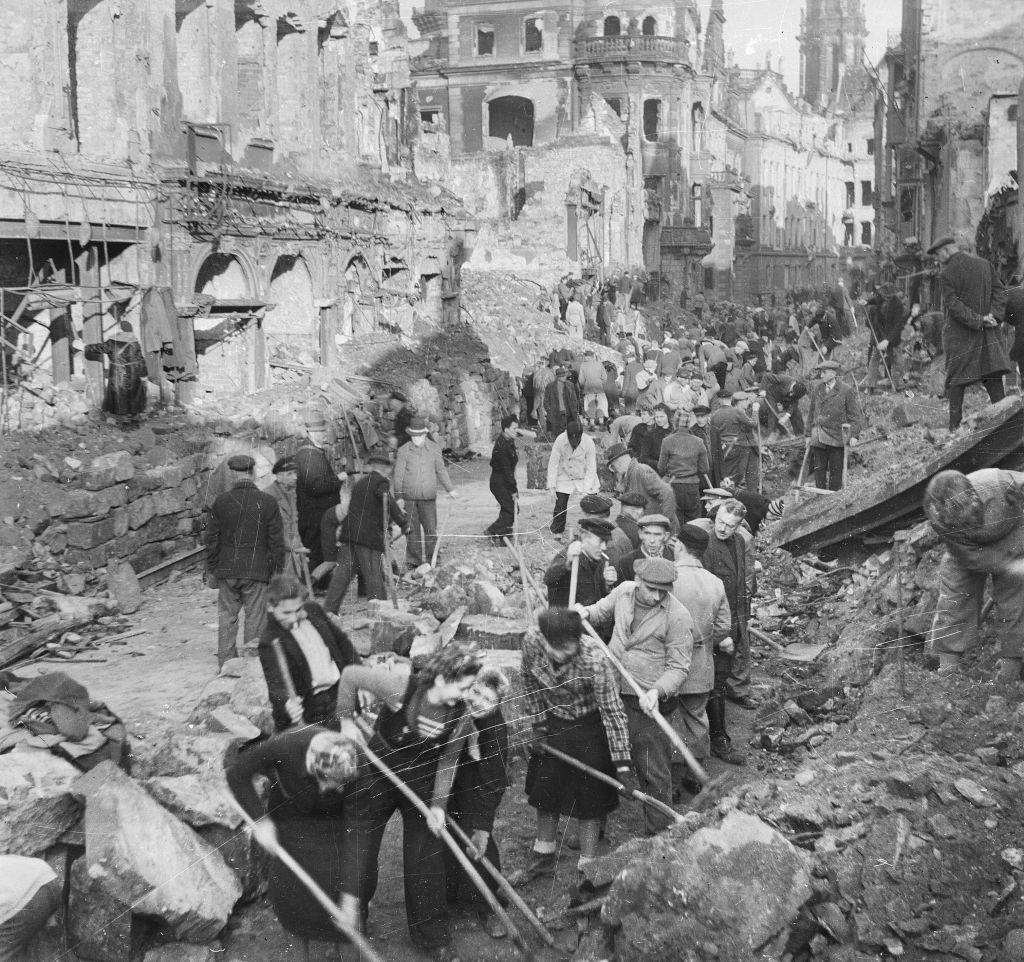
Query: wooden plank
162, 570
888, 505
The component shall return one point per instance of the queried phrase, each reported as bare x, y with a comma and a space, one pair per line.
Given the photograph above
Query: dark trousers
719, 370
828, 466
235, 595
716, 700
687, 500
994, 386
458, 887
652, 761
422, 518
505, 497
560, 513
738, 681
353, 558
369, 805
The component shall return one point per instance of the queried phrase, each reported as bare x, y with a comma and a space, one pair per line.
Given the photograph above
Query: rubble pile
898, 835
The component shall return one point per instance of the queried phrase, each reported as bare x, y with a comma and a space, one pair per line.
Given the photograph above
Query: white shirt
322, 669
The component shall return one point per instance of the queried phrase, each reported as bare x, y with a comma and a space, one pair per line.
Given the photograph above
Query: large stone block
168, 501
140, 511
165, 476
488, 631
242, 687
36, 802
91, 534
737, 886
107, 469
141, 862
245, 857
197, 800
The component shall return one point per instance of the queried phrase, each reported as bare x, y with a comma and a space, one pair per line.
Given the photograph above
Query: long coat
970, 290
125, 393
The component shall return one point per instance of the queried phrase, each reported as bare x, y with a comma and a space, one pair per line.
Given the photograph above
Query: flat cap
724, 393
281, 465
596, 504
694, 539
315, 422
615, 451
379, 459
560, 370
713, 494
650, 520
944, 241
602, 527
418, 425
656, 573
701, 409
241, 462
740, 396
829, 366
633, 499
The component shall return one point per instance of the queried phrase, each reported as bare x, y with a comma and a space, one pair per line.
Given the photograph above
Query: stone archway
224, 277
293, 319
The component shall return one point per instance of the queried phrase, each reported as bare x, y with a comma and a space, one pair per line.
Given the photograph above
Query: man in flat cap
316, 486
595, 576
653, 638
975, 346
833, 420
703, 595
419, 472
244, 548
655, 531
625, 538
561, 403
283, 490
641, 479
734, 448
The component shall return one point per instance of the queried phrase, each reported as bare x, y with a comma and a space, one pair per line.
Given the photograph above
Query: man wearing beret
834, 416
625, 538
244, 548
595, 576
973, 342
703, 596
653, 638
655, 530
641, 479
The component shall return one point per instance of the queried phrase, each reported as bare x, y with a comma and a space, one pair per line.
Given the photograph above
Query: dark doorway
649, 27
612, 26
511, 116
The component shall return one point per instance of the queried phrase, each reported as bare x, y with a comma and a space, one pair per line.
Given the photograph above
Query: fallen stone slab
245, 857
141, 863
393, 630
198, 800
736, 886
242, 687
37, 804
488, 631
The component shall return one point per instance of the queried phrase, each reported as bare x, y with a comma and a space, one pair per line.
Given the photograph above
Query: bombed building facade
625, 131
251, 157
949, 118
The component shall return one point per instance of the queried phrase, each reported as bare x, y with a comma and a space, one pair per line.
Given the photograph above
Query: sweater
684, 459
419, 470
504, 458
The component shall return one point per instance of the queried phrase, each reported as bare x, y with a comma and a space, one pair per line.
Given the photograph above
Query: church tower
832, 34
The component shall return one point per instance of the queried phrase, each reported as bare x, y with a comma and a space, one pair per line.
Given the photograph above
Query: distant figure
125, 395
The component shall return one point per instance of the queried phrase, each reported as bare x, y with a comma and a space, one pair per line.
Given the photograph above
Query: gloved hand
624, 773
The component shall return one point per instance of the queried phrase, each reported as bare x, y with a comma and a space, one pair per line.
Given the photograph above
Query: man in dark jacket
244, 547
974, 344
503, 484
316, 488
361, 535
833, 421
315, 651
561, 402
625, 539
595, 576
654, 536
887, 315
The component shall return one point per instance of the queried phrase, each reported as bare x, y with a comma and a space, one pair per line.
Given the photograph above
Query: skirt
557, 788
316, 844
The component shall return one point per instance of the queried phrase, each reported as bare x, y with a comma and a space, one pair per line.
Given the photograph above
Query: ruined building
593, 135
251, 156
949, 116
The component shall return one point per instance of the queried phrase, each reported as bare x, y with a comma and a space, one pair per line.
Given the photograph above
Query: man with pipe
594, 575
653, 638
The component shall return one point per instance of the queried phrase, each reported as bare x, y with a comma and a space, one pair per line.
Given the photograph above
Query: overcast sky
755, 28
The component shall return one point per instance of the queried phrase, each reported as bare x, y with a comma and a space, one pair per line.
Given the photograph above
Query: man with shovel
833, 424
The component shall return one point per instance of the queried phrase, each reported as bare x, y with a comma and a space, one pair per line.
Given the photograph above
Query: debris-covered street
484, 481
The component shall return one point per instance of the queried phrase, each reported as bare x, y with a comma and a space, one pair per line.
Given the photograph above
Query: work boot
1009, 671
541, 865
721, 744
